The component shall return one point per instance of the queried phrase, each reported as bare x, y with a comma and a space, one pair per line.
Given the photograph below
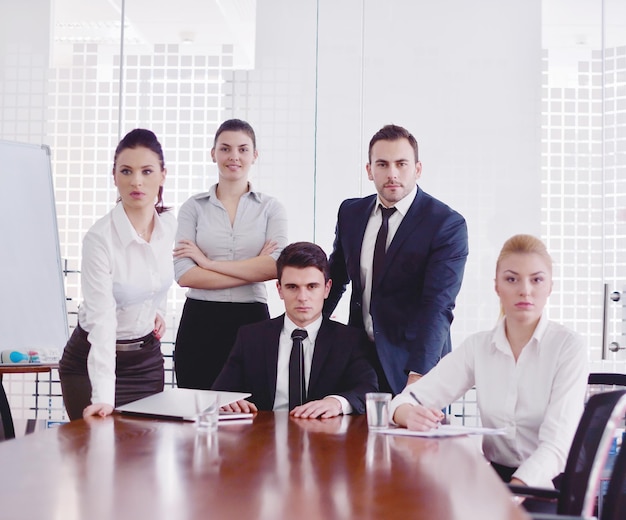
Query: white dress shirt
539, 399
203, 219
281, 400
367, 249
124, 284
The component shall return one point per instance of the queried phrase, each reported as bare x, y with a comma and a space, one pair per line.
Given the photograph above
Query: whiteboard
33, 313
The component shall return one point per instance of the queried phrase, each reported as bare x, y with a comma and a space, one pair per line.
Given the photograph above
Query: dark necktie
297, 390
380, 249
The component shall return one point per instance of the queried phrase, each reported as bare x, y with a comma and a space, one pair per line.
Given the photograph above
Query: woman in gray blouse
227, 244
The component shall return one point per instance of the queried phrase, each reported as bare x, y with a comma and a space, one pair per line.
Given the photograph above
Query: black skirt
206, 335
138, 373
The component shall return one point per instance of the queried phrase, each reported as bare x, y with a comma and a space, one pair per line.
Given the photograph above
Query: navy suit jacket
339, 365
411, 308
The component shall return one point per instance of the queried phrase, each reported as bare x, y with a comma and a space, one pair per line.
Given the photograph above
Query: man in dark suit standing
404, 253
300, 361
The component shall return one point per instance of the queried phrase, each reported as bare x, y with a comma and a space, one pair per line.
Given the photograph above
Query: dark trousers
138, 373
383, 384
206, 335
530, 504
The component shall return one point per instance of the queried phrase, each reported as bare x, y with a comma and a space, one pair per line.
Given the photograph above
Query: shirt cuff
104, 392
533, 475
346, 407
396, 402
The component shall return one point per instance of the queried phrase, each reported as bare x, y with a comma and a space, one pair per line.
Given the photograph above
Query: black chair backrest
614, 504
607, 378
6, 421
599, 382
589, 451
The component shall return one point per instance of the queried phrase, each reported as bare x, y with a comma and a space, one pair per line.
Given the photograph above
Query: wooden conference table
273, 468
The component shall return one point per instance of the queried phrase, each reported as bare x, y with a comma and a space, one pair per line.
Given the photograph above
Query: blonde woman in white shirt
530, 374
114, 355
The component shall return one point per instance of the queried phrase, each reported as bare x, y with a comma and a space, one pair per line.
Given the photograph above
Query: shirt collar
541, 327
311, 329
502, 343
212, 193
125, 229
403, 205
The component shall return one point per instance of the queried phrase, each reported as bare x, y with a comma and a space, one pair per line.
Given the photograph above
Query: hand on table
100, 409
323, 408
241, 406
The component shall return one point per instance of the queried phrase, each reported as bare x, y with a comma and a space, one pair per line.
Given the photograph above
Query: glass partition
518, 107
583, 167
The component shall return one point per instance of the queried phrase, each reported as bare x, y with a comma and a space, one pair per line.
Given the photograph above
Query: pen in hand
420, 403
415, 398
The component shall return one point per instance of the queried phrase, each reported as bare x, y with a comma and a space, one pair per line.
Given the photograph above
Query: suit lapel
272, 340
323, 344
360, 220
409, 224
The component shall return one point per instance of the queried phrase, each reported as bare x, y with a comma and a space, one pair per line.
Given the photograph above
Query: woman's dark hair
142, 138
301, 255
236, 125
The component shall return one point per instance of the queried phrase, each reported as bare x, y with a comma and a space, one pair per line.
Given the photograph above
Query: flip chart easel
33, 314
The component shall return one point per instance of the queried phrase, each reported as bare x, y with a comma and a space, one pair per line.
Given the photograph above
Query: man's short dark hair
301, 255
393, 133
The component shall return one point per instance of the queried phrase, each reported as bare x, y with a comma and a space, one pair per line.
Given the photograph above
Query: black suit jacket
412, 306
339, 365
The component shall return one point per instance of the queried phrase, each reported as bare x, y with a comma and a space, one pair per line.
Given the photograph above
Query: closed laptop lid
179, 403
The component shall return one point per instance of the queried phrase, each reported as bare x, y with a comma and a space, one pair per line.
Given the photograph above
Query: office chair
587, 457
614, 504
604, 382
7, 430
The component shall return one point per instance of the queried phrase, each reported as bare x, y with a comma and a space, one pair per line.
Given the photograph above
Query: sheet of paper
179, 403
234, 416
446, 430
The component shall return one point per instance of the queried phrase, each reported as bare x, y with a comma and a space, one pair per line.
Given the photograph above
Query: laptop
179, 404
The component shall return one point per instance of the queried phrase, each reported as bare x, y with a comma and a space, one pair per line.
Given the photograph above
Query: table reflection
206, 453
378, 453
277, 467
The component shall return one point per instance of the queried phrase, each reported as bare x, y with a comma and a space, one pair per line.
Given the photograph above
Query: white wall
465, 79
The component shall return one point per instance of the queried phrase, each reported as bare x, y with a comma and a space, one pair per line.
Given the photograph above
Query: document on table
235, 417
446, 430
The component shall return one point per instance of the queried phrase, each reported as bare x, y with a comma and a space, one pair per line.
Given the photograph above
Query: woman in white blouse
114, 355
530, 374
227, 244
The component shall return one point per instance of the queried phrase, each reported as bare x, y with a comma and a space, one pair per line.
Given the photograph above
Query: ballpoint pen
415, 398
420, 403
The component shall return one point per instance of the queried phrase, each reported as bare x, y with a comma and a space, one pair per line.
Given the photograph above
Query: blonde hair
524, 244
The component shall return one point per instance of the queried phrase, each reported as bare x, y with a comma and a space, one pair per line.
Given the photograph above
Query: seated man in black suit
330, 373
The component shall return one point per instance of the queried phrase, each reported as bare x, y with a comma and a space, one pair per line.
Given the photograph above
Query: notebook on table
178, 403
